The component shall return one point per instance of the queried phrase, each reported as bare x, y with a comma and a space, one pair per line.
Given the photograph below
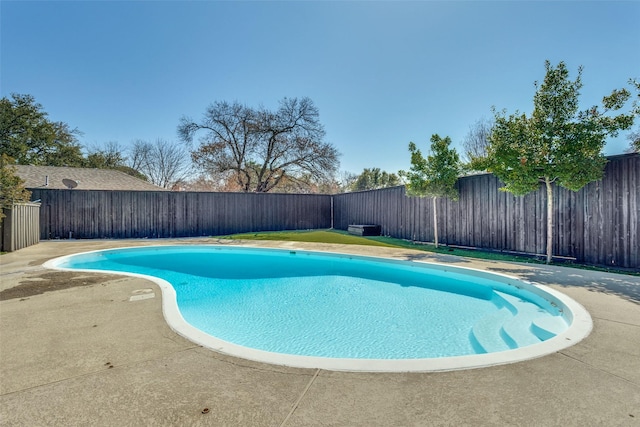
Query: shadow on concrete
626, 287
430, 257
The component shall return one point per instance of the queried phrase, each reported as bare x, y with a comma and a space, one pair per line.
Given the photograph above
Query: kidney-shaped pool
346, 312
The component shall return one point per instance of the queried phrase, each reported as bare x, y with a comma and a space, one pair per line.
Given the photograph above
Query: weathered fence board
597, 225
85, 214
20, 227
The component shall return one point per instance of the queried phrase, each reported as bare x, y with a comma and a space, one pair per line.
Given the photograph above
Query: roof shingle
87, 179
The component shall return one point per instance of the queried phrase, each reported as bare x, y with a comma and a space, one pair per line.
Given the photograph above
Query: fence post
332, 211
7, 241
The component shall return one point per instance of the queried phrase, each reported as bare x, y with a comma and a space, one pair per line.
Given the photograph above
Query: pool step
541, 327
502, 300
510, 328
517, 331
486, 332
548, 327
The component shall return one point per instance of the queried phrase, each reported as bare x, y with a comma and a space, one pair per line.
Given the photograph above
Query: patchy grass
342, 237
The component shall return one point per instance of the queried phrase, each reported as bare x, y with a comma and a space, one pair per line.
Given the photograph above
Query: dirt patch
40, 283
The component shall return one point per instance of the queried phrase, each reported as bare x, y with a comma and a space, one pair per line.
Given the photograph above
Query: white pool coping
580, 326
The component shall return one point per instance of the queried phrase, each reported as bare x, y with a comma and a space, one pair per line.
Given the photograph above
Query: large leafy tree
557, 143
262, 148
29, 137
434, 176
373, 179
11, 186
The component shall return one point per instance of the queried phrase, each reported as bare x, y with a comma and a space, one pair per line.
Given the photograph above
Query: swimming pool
346, 312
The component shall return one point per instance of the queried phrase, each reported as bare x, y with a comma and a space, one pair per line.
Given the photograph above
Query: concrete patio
74, 350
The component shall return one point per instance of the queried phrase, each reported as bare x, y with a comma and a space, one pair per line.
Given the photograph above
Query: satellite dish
70, 183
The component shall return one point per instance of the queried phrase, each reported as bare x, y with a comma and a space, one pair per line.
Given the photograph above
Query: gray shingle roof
87, 179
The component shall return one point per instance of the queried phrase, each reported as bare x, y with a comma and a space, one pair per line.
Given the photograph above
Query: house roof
51, 177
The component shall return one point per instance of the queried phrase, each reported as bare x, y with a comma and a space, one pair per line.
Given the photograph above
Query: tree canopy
373, 179
557, 143
261, 148
108, 156
11, 186
434, 176
30, 138
112, 156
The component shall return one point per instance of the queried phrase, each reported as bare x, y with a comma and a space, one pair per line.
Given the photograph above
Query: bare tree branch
163, 162
262, 148
476, 141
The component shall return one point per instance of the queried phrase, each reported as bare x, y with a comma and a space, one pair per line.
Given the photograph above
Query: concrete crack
295, 405
598, 369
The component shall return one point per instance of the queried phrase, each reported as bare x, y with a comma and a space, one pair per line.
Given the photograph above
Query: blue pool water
339, 306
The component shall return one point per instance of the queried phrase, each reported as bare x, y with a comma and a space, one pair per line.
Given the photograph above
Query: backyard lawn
342, 237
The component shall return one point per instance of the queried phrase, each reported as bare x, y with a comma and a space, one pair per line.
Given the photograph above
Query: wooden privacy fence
86, 214
597, 225
20, 227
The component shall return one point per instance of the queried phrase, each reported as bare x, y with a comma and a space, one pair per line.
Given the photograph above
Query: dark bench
365, 230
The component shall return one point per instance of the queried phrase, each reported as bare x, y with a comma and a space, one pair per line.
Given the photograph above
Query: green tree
373, 179
557, 143
27, 136
435, 176
634, 136
109, 156
11, 186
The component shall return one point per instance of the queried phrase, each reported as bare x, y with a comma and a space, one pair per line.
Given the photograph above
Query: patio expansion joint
304, 392
617, 321
599, 369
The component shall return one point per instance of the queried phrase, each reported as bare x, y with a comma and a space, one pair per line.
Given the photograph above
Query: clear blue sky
381, 73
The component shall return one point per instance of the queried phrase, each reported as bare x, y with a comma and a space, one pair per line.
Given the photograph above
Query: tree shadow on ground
626, 287
432, 257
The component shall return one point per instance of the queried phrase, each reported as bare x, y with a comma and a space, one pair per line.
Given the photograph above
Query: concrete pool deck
85, 352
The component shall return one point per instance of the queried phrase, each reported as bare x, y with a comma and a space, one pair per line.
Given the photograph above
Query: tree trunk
435, 222
549, 219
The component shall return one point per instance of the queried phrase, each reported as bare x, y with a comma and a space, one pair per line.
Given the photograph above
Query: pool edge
580, 328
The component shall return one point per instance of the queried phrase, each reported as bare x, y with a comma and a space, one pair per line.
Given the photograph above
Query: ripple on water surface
332, 316
335, 306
